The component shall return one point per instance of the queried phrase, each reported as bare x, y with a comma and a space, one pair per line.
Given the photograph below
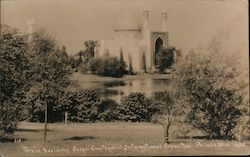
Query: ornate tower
164, 21
145, 21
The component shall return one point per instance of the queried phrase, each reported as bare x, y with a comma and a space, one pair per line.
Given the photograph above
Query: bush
84, 68
137, 107
86, 103
82, 105
94, 66
165, 59
217, 114
107, 110
241, 131
8, 120
108, 66
37, 111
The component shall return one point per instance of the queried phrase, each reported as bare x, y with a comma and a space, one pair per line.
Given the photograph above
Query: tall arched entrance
158, 46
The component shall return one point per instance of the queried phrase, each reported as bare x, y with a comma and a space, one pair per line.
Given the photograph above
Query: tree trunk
45, 122
168, 126
66, 118
167, 132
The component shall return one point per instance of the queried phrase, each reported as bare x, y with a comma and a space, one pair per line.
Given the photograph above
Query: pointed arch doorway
157, 56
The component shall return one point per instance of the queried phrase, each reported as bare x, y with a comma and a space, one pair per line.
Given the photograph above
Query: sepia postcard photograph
124, 78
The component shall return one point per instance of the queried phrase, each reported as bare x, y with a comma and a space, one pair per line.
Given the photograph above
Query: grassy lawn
116, 138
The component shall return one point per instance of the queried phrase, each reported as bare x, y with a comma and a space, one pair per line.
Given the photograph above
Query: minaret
145, 21
164, 21
30, 23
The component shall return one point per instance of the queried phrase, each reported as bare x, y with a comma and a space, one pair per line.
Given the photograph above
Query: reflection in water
116, 89
161, 81
114, 83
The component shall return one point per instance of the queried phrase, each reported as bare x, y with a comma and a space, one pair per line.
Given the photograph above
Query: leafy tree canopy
14, 70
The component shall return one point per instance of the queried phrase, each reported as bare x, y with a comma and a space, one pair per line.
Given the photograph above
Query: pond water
116, 88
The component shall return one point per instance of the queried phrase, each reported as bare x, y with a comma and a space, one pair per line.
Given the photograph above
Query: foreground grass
110, 139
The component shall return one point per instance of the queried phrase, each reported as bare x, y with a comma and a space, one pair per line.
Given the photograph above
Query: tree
78, 60
90, 48
14, 71
165, 58
130, 69
64, 51
121, 56
172, 111
51, 72
215, 104
144, 67
83, 57
164, 100
42, 43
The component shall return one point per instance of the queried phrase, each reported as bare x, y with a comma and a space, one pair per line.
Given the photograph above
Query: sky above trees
75, 21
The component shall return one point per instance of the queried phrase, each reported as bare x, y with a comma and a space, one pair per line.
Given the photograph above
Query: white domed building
135, 41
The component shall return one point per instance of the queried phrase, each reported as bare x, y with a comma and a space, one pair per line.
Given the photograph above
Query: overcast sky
75, 21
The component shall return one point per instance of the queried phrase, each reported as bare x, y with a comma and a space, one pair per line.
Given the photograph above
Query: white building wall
127, 35
134, 41
130, 49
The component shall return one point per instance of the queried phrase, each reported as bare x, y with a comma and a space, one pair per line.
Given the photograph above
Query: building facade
136, 42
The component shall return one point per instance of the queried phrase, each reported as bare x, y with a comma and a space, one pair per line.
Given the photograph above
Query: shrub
95, 64
217, 114
82, 105
8, 121
84, 68
40, 95
107, 110
36, 111
165, 58
137, 107
241, 131
105, 66
86, 102
108, 66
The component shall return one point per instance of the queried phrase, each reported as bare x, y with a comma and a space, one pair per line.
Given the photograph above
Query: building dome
128, 22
